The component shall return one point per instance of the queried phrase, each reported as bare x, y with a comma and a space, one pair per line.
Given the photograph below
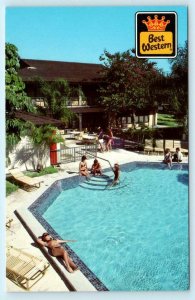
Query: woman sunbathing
57, 250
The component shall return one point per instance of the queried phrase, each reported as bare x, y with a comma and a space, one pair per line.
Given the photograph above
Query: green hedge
45, 171
10, 188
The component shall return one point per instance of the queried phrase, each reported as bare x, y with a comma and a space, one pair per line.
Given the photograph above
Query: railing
75, 153
100, 158
76, 103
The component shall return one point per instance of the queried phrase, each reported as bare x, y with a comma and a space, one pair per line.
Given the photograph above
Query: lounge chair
148, 148
170, 145
27, 181
159, 147
24, 269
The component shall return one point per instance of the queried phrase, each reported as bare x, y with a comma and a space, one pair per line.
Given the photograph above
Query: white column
80, 99
80, 122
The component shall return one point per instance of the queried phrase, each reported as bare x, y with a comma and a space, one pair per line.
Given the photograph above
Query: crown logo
156, 24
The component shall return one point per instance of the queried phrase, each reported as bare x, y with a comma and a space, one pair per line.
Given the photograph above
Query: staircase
100, 183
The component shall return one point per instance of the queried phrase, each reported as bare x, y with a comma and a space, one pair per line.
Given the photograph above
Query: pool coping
82, 280
76, 281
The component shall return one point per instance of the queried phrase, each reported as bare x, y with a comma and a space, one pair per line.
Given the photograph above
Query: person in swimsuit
116, 171
168, 158
96, 168
100, 139
83, 171
109, 139
57, 250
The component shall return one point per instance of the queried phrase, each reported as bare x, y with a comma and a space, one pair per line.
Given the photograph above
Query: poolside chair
24, 269
27, 181
159, 148
170, 145
148, 148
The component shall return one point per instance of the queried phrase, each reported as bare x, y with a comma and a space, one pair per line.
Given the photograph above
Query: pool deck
18, 237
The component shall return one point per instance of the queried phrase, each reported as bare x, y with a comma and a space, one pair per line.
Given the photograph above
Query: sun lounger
148, 148
24, 269
27, 181
159, 147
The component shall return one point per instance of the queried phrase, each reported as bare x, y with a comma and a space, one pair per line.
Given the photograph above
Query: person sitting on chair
57, 250
96, 168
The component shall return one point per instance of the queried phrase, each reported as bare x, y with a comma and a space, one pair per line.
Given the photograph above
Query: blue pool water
133, 236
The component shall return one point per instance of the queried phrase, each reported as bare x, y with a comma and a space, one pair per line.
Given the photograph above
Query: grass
47, 170
167, 120
10, 188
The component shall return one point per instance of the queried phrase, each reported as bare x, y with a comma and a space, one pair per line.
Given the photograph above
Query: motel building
85, 77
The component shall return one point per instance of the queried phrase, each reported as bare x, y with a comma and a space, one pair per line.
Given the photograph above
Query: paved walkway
18, 237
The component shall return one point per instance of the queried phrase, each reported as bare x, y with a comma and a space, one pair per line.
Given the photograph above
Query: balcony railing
40, 101
72, 103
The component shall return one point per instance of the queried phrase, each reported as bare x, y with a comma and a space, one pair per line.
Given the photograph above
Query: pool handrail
100, 158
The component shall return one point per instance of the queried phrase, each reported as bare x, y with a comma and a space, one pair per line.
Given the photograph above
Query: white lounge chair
24, 269
27, 181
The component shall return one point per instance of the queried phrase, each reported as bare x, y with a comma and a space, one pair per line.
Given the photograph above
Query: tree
127, 82
179, 78
57, 96
16, 98
41, 138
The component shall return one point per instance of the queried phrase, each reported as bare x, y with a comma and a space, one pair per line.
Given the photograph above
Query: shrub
10, 188
47, 170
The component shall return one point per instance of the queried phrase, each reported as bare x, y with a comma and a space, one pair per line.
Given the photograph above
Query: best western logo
156, 34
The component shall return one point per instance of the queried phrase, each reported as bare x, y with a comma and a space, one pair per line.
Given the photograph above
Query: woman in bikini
83, 171
57, 250
109, 139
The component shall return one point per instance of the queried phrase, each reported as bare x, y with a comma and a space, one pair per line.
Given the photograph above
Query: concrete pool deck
18, 237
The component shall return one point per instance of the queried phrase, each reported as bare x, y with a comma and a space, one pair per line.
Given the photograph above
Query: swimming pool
133, 236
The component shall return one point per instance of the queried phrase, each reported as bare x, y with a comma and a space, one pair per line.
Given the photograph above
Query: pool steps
100, 183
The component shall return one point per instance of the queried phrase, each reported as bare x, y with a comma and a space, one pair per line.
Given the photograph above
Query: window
141, 119
136, 119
